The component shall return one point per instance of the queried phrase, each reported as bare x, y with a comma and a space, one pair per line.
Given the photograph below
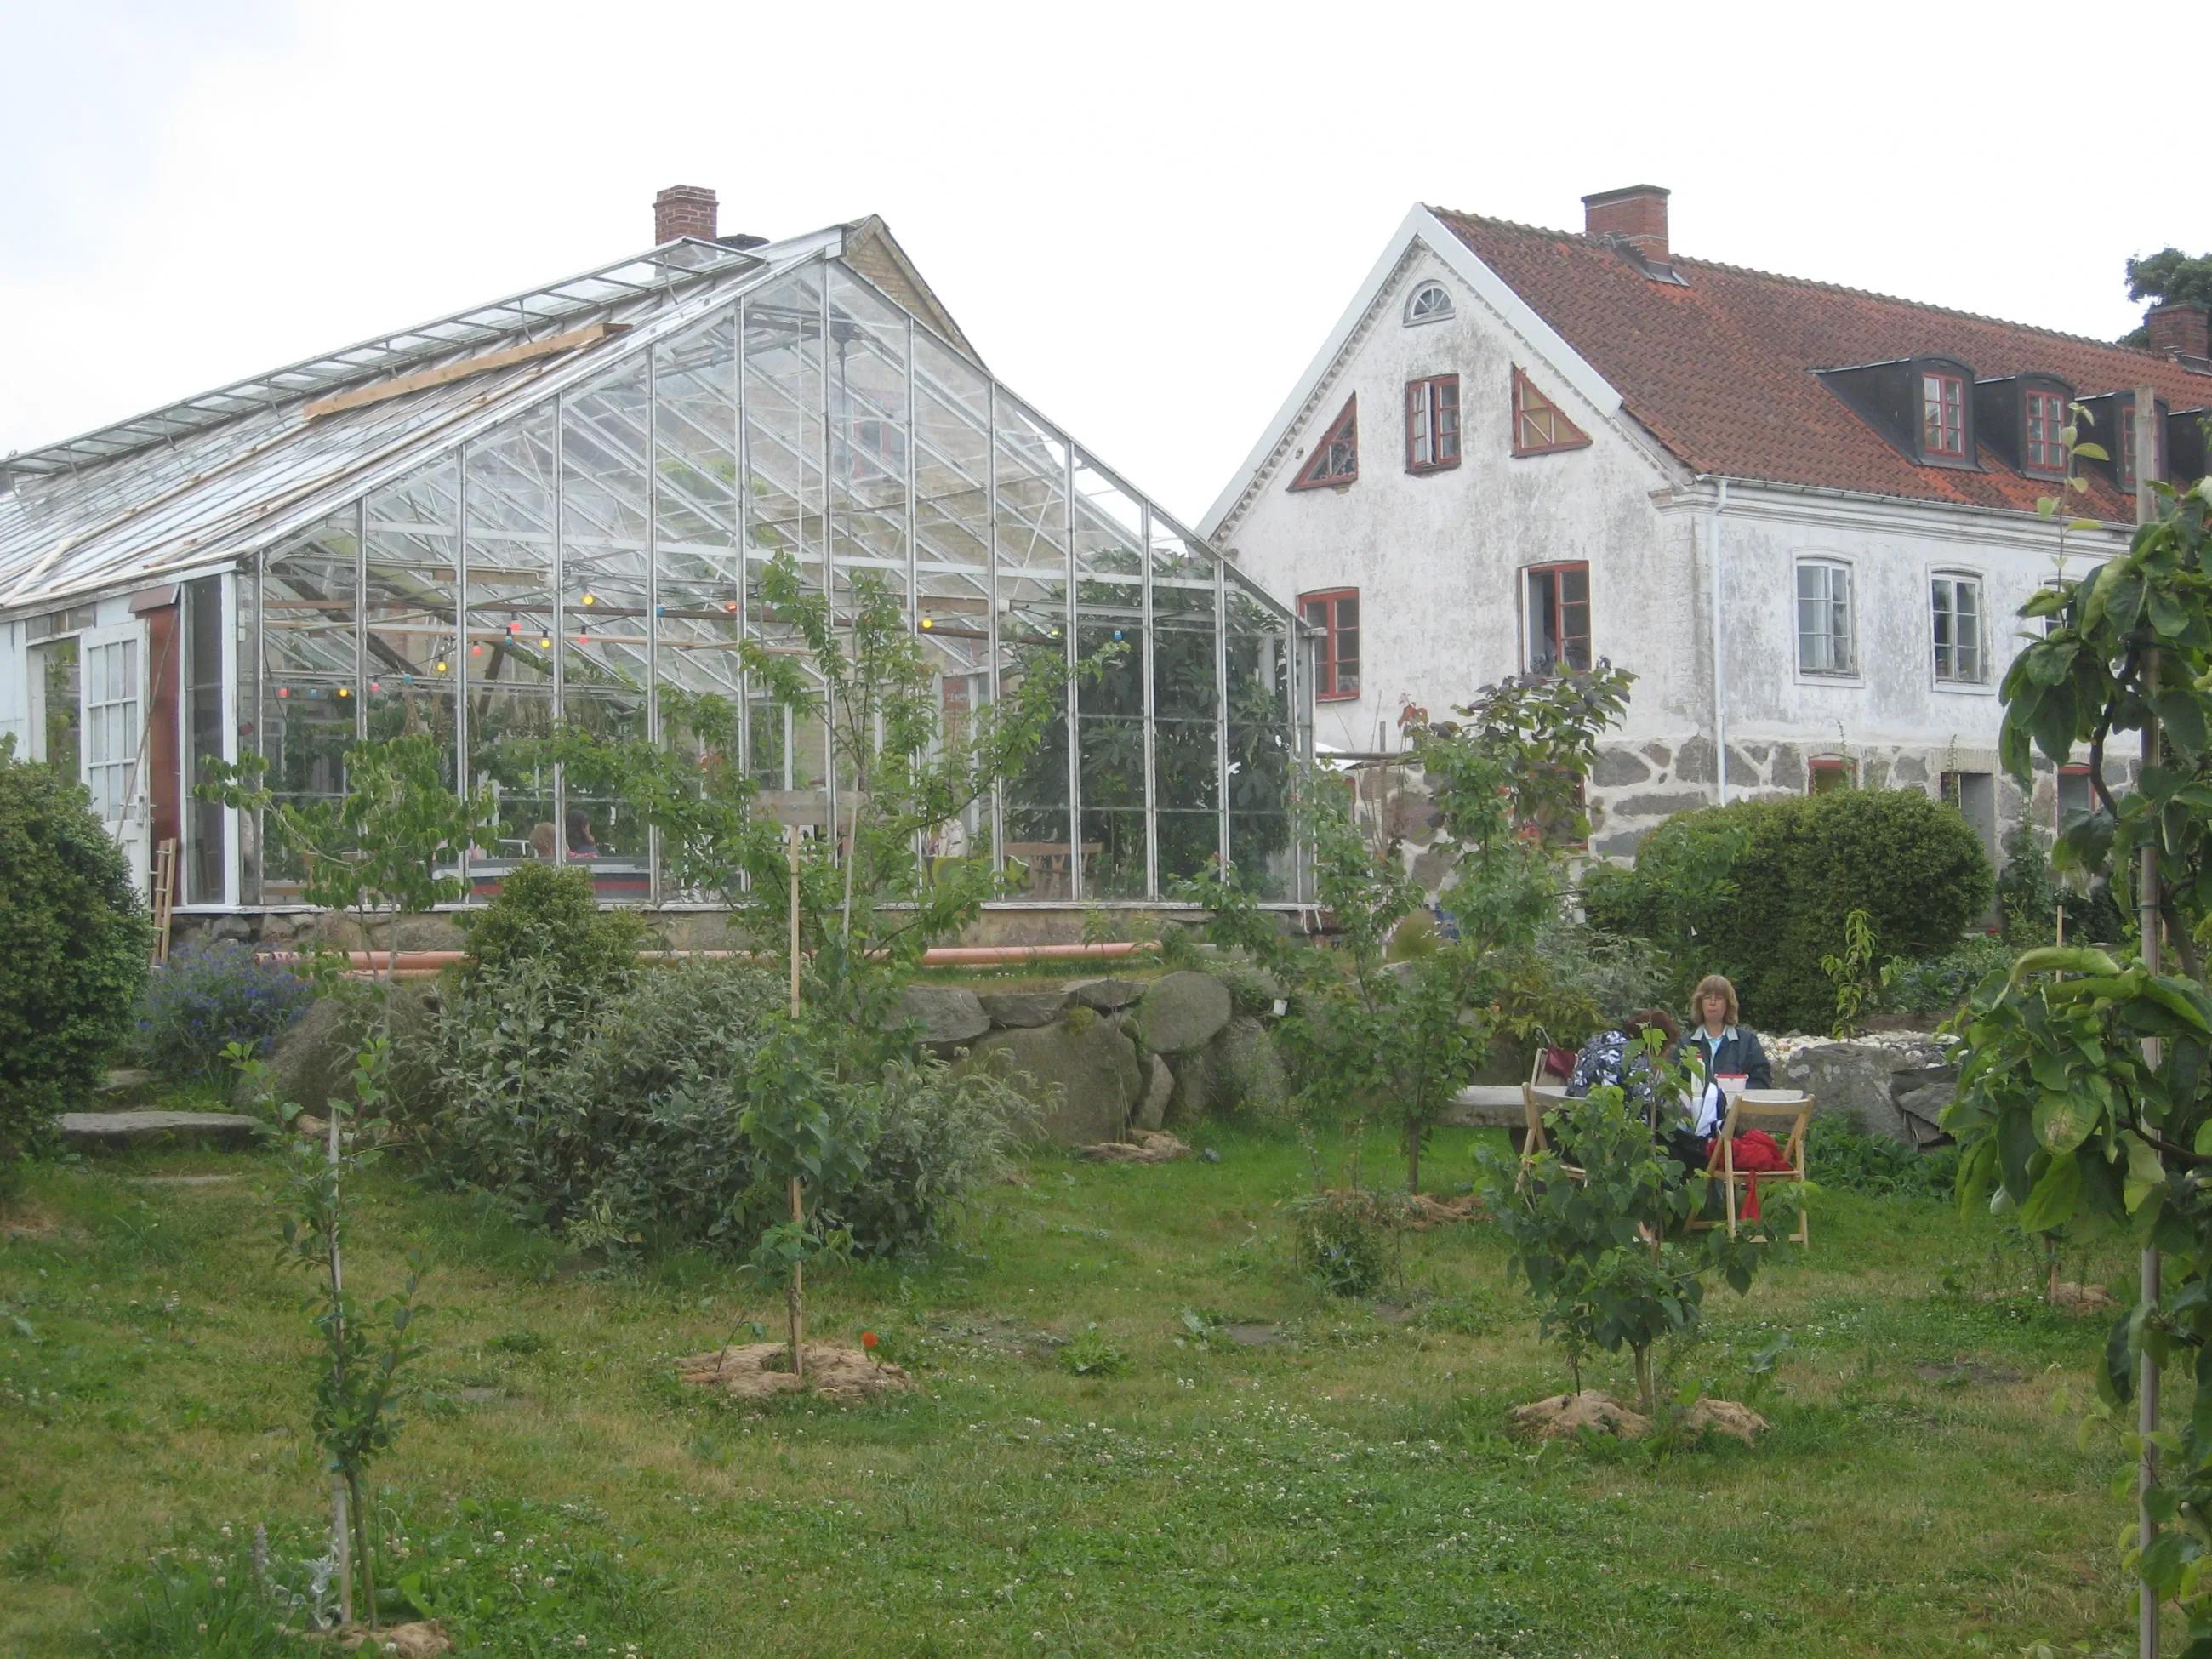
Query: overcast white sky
1147, 218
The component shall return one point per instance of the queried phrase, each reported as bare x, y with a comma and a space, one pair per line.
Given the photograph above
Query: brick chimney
1637, 214
2179, 329
683, 210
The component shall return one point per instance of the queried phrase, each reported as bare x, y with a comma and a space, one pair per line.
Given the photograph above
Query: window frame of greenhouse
572, 551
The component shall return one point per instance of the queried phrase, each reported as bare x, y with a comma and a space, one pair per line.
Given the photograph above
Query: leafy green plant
1844, 1159
1593, 1250
1935, 987
1088, 1353
2083, 1100
1858, 982
1347, 1242
74, 939
355, 1417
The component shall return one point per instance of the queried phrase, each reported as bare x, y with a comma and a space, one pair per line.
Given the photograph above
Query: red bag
1755, 1150
1558, 1063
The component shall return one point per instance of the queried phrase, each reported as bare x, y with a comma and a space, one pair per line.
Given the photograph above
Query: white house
1803, 515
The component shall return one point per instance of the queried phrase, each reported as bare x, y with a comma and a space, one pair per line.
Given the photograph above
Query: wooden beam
590, 334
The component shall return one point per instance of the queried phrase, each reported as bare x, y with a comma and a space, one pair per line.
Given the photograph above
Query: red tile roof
1721, 369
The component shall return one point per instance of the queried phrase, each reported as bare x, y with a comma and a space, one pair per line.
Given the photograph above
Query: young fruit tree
2086, 1093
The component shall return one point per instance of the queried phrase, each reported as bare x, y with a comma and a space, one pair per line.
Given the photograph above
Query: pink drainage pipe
427, 964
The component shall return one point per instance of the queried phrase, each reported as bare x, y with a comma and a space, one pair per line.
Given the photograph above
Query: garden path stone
185, 1180
1018, 1009
146, 1128
1086, 1075
951, 1017
1106, 994
125, 1078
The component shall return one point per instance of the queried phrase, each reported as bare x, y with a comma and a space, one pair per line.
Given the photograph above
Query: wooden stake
2145, 416
797, 1296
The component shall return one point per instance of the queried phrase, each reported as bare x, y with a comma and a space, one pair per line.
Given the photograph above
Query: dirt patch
423, 1640
1726, 1417
1423, 1212
1958, 1373
1564, 1416
1248, 1335
29, 1221
1151, 1146
760, 1370
2082, 1298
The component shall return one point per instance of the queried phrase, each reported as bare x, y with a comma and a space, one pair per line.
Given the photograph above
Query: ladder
164, 898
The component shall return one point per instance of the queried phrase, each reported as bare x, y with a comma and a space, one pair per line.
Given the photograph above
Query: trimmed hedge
1758, 890
74, 940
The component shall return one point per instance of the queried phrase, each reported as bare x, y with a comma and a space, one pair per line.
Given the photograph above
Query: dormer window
1942, 414
1431, 303
2112, 418
2043, 448
2127, 450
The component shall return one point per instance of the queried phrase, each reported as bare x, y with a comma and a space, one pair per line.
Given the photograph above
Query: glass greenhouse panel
512, 487
600, 832
605, 571
1187, 729
785, 400
1110, 621
1262, 747
508, 726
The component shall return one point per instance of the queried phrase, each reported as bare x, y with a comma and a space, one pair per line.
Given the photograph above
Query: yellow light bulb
441, 665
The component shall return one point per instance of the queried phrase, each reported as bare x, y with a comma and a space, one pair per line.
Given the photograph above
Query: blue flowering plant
210, 996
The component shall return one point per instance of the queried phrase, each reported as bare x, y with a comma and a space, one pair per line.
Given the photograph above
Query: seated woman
1720, 1046
581, 843
1616, 1057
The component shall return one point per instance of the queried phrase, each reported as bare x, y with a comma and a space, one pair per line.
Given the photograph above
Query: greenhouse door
112, 675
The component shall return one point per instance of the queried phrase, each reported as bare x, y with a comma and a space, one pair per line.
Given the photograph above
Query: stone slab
126, 1129
1018, 1009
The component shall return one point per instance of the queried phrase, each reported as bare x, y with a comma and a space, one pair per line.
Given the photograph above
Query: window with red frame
2044, 450
1558, 618
1336, 614
1540, 426
1432, 423
1828, 774
1942, 415
1335, 459
2127, 451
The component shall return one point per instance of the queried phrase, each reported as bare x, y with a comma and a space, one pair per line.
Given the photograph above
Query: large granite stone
947, 1018
1182, 1012
1106, 994
1083, 1071
1617, 768
1853, 1080
1153, 1110
1019, 1010
147, 1128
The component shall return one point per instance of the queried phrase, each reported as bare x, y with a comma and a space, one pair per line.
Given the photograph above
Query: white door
113, 676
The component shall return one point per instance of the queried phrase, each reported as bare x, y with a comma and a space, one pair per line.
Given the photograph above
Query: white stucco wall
1438, 561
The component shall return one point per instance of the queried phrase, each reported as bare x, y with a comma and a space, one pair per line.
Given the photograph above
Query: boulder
949, 1017
1194, 1087
1152, 1109
1247, 1074
313, 1062
1853, 1080
1106, 995
1013, 1010
1085, 1072
1183, 1012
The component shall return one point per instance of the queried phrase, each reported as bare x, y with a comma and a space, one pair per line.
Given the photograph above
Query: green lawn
1339, 1481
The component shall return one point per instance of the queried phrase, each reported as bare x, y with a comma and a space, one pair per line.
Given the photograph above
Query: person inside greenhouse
1724, 1054
581, 843
1616, 1056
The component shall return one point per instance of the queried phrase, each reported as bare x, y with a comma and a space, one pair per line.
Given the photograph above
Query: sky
1147, 218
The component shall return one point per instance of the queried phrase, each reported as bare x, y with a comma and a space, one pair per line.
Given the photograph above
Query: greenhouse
558, 509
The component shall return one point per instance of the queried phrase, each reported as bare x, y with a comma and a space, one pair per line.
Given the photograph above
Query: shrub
617, 1113
1347, 1241
553, 916
1757, 890
206, 996
2029, 895
1934, 986
73, 938
1840, 1155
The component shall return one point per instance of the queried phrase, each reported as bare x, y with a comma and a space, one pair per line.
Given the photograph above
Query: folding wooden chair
1721, 1164
1533, 1137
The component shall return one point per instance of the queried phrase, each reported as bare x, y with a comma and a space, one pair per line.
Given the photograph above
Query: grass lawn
1329, 1477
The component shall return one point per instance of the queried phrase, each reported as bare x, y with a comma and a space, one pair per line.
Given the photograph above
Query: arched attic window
1430, 303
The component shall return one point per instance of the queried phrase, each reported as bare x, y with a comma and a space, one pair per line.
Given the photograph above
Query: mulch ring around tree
1564, 1416
761, 1371
1151, 1146
420, 1640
